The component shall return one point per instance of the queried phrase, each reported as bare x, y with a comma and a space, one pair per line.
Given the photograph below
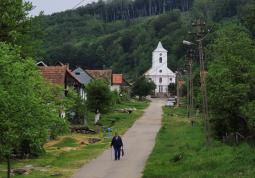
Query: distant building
84, 77
101, 74
62, 76
41, 63
117, 81
159, 73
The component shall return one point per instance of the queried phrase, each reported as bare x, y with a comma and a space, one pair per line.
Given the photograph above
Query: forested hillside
86, 39
123, 39
112, 10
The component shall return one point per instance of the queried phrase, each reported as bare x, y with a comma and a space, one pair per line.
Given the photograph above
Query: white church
159, 73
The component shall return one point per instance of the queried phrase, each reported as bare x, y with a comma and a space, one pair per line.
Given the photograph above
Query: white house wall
115, 88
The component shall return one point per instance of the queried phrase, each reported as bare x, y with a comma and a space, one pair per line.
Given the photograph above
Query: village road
138, 143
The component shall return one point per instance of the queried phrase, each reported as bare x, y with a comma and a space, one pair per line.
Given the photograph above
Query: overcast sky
51, 6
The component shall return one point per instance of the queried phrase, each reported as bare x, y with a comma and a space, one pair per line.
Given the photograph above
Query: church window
160, 71
160, 60
160, 54
160, 80
171, 79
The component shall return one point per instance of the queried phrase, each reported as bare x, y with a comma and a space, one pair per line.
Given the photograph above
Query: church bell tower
159, 57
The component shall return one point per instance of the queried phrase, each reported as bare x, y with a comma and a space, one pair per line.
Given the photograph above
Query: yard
66, 154
180, 152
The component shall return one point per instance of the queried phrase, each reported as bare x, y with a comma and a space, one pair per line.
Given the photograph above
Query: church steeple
160, 48
159, 56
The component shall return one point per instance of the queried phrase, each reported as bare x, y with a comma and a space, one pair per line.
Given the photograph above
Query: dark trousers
117, 153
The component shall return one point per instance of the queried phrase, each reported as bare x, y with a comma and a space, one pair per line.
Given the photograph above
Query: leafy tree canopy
17, 28
28, 109
231, 80
99, 97
143, 87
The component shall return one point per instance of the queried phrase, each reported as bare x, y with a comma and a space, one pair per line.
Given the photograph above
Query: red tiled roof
101, 74
56, 74
117, 79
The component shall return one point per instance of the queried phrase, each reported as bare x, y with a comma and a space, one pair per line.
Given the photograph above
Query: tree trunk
150, 8
164, 6
8, 166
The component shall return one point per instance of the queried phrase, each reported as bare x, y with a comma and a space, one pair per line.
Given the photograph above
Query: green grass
58, 160
119, 122
180, 152
67, 142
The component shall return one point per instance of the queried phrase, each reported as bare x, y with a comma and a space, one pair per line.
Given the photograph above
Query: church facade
159, 73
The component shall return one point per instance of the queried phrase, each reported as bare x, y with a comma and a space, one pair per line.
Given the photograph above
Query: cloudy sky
51, 6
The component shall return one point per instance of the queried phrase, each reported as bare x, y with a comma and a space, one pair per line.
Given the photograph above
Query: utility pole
190, 92
200, 35
177, 87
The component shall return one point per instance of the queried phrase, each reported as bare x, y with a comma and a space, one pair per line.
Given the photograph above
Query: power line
77, 5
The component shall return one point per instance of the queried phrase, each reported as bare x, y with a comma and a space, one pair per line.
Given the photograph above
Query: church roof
160, 48
155, 72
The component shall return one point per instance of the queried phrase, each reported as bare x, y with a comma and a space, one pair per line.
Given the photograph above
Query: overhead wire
78, 4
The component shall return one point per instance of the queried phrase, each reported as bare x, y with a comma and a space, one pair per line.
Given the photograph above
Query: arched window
160, 80
160, 54
160, 71
160, 60
171, 79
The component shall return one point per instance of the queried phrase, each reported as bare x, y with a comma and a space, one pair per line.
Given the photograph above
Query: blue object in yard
109, 132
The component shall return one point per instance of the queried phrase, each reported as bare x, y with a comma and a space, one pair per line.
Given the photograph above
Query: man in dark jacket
117, 144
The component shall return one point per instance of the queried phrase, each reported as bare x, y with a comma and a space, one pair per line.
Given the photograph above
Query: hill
88, 40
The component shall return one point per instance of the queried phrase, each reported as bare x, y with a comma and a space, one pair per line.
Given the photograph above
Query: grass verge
66, 154
180, 152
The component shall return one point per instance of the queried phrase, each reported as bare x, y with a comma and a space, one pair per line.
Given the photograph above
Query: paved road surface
138, 143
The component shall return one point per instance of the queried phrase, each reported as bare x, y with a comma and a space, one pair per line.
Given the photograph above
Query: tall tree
231, 80
27, 106
18, 28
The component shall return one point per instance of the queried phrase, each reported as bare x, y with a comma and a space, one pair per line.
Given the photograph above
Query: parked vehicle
170, 103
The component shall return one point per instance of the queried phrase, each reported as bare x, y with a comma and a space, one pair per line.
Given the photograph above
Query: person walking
117, 144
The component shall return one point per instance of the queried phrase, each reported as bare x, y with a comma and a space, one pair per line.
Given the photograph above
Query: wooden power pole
201, 33
179, 85
190, 92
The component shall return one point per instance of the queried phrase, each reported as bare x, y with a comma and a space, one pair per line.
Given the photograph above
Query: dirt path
138, 144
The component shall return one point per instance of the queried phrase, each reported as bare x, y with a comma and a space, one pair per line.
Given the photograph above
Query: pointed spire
160, 45
160, 48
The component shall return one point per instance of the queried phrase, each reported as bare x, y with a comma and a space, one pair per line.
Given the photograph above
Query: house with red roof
117, 81
101, 74
61, 75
